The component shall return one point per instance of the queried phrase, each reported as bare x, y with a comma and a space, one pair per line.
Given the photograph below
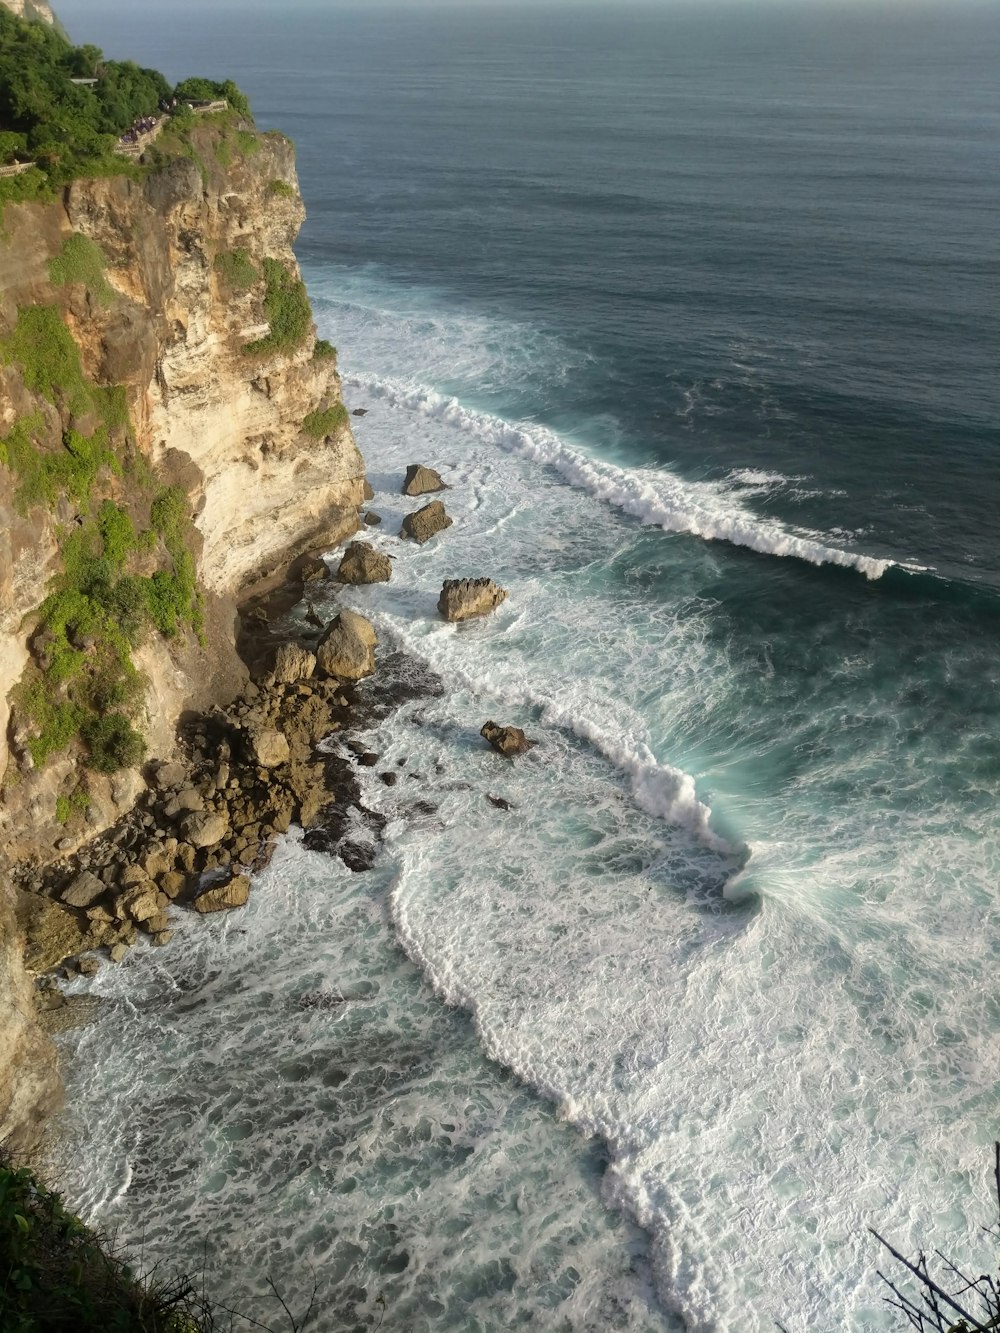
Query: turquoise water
696, 313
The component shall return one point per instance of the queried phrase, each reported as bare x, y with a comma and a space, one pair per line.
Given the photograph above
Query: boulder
83, 891
293, 663
140, 902
204, 830
347, 647
372, 519
424, 523
461, 599
219, 897
506, 740
172, 883
360, 412
168, 775
363, 564
183, 803
366, 490
312, 569
422, 480
269, 749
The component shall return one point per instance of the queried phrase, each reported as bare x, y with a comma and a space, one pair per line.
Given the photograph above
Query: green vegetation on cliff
125, 570
325, 422
286, 305
55, 1273
70, 129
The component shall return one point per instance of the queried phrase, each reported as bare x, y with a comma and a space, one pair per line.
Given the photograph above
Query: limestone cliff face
256, 439
30, 9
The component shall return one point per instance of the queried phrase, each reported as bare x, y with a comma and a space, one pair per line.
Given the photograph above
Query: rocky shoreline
283, 752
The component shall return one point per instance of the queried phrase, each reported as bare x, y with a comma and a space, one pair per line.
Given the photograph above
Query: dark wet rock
84, 890
422, 480
363, 564
462, 599
372, 519
360, 412
498, 801
357, 856
423, 808
507, 741
421, 525
390, 779
368, 759
312, 569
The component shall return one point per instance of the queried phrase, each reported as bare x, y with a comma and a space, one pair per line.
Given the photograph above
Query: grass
324, 350
237, 270
286, 304
57, 1274
80, 260
43, 475
282, 189
324, 422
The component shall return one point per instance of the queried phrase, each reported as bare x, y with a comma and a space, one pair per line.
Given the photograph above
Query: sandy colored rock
424, 523
220, 897
361, 563
83, 891
52, 932
184, 803
204, 830
269, 749
139, 902
463, 599
507, 741
166, 776
372, 520
422, 480
172, 883
293, 663
347, 647
118, 952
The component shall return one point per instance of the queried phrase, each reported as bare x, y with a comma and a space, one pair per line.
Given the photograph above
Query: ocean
696, 311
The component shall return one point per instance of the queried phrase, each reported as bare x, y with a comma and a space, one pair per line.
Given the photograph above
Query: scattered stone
157, 862
204, 830
161, 938
347, 647
219, 897
498, 801
84, 890
269, 748
368, 758
390, 779
424, 523
154, 924
363, 564
461, 599
165, 776
360, 412
291, 664
422, 480
118, 952
183, 803
172, 883
506, 740
140, 902
65, 844
372, 519
186, 857
132, 874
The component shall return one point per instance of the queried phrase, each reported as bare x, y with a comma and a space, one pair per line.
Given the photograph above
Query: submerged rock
363, 564
506, 740
424, 523
462, 599
422, 480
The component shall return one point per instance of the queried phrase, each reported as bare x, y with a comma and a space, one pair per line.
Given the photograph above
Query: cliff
171, 435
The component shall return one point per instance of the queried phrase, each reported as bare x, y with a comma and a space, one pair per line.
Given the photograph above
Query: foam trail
702, 509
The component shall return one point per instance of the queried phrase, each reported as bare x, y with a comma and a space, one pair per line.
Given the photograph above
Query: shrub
237, 269
286, 305
322, 423
282, 189
324, 351
112, 742
80, 260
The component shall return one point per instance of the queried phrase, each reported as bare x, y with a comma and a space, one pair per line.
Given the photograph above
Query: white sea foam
653, 495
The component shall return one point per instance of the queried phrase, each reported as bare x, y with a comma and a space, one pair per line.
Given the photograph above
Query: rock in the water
293, 663
84, 891
172, 883
366, 490
373, 519
360, 412
205, 830
269, 749
347, 648
363, 564
118, 952
461, 599
422, 525
312, 569
219, 897
506, 740
499, 801
422, 480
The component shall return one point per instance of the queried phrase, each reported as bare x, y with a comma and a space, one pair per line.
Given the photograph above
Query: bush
237, 270
80, 260
286, 305
113, 743
324, 351
282, 189
322, 423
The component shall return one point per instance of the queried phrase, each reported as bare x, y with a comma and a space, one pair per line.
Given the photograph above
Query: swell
654, 496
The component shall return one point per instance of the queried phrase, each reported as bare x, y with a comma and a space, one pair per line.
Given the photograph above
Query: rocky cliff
171, 434
30, 9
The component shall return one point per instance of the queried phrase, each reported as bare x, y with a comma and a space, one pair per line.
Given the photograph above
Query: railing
141, 141
16, 168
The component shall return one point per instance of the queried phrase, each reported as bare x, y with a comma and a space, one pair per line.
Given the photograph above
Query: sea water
696, 315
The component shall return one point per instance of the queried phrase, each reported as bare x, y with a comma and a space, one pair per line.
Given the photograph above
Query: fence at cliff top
16, 168
135, 141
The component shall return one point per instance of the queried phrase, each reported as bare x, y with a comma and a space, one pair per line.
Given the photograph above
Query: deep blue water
699, 308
